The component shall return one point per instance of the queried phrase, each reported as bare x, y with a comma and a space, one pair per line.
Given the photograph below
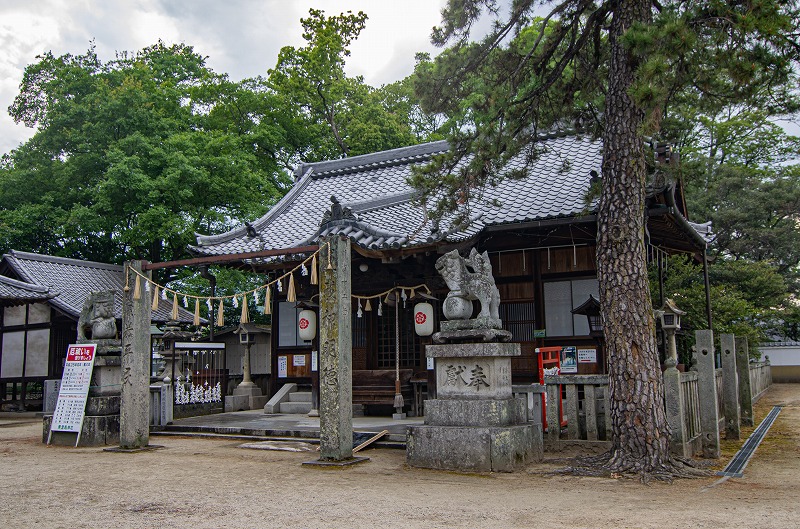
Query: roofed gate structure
539, 232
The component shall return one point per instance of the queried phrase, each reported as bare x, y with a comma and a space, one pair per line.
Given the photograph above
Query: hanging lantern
423, 319
307, 325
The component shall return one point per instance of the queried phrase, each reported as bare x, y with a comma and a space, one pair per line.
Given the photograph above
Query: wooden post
134, 409
730, 386
707, 390
336, 352
745, 391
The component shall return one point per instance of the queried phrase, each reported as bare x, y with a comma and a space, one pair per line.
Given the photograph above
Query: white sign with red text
71, 405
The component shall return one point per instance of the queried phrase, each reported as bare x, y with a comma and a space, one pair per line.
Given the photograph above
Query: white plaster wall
38, 352
782, 356
13, 349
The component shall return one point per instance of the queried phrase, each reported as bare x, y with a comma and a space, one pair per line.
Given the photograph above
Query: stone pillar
707, 388
743, 371
676, 419
336, 353
730, 386
134, 413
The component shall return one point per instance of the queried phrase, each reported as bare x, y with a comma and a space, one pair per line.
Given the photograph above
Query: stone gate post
707, 389
730, 386
336, 354
745, 391
134, 412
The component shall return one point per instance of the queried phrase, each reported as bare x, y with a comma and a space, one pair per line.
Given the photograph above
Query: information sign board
283, 365
71, 405
587, 355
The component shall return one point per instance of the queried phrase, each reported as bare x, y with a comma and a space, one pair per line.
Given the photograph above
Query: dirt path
205, 483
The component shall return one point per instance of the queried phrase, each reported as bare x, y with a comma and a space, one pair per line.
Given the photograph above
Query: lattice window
359, 330
519, 319
409, 342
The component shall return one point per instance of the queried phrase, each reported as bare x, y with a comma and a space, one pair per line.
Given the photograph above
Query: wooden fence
760, 378
576, 406
581, 401
690, 397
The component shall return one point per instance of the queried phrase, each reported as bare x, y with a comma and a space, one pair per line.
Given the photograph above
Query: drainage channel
735, 468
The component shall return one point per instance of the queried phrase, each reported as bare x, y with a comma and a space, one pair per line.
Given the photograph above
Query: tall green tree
343, 116
613, 67
132, 156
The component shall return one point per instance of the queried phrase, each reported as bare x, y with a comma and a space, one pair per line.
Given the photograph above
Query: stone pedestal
475, 423
246, 396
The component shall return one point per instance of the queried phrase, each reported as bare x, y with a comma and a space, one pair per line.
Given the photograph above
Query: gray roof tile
73, 279
13, 292
375, 187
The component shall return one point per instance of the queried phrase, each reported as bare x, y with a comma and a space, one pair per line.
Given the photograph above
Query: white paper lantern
307, 325
423, 319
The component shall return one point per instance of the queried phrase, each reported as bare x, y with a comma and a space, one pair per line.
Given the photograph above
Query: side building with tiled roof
539, 230
41, 297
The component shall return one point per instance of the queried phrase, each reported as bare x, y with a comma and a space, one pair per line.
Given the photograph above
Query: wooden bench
376, 386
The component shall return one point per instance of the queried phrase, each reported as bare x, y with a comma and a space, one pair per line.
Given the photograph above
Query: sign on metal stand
71, 405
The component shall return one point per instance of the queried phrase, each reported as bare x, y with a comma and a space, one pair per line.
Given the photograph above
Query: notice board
71, 405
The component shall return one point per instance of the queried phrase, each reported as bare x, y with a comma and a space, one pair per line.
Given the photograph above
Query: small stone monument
475, 423
101, 421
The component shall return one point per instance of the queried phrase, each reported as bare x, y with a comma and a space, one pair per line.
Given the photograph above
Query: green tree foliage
132, 156
747, 299
740, 175
342, 116
616, 69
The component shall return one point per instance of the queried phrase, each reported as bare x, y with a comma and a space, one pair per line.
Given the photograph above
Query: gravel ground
212, 483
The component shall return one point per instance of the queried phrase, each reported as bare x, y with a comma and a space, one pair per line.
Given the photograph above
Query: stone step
295, 407
300, 396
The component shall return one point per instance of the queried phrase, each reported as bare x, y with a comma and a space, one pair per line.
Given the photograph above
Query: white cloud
239, 37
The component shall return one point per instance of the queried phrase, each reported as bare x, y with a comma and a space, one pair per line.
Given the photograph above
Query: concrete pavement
257, 424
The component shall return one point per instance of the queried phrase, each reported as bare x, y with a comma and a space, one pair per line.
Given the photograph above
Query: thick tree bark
639, 427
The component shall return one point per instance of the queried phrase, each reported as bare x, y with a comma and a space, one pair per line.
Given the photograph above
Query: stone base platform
490, 413
97, 430
473, 449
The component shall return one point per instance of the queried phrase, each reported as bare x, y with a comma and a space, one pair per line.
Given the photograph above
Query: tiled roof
13, 292
375, 188
74, 279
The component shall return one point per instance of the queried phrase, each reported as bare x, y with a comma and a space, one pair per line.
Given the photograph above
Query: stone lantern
670, 316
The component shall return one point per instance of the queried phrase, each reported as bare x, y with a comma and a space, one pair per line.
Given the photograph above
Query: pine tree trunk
639, 428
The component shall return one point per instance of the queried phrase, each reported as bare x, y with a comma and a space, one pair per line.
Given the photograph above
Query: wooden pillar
743, 371
707, 389
134, 409
730, 386
336, 352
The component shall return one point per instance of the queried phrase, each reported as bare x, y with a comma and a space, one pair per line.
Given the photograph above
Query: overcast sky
240, 37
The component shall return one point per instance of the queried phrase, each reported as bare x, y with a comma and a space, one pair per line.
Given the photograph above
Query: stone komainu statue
478, 284
97, 320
